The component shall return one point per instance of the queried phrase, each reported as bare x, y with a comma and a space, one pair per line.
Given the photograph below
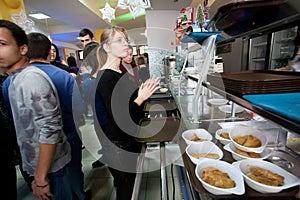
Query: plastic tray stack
256, 82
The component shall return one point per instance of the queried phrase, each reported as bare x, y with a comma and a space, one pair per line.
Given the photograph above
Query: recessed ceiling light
39, 16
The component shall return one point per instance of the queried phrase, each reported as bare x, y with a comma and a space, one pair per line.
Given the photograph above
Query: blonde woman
123, 102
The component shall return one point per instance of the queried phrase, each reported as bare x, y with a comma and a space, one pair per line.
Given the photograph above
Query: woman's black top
118, 93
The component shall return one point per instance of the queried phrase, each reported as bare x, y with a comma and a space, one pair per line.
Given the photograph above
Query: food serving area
211, 119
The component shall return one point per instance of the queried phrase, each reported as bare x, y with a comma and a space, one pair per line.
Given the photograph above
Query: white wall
159, 28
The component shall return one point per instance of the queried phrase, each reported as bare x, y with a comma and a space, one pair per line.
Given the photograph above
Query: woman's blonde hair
106, 36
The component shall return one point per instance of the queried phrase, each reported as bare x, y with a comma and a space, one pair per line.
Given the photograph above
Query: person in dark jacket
71, 60
7, 143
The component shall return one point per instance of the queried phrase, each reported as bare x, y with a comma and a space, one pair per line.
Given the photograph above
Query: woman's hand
146, 90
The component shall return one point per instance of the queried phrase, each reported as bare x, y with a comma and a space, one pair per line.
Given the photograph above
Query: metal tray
163, 129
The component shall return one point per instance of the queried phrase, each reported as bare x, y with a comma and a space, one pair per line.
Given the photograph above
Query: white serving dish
223, 166
231, 148
203, 147
217, 102
227, 109
290, 180
163, 90
221, 139
201, 133
241, 130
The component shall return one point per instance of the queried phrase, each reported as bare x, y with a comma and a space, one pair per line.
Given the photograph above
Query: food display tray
249, 194
256, 81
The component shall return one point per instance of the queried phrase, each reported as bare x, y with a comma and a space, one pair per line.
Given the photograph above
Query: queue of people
39, 98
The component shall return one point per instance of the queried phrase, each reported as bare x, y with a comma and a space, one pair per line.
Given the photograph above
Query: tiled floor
100, 181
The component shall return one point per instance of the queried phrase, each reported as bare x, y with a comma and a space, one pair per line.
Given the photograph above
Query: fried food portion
247, 154
248, 141
205, 155
225, 135
265, 176
195, 138
217, 178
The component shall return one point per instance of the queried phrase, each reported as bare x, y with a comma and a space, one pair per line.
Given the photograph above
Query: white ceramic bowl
290, 180
234, 174
241, 130
200, 133
206, 147
220, 138
232, 149
217, 102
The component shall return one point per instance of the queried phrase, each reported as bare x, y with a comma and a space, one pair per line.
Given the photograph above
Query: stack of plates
217, 102
227, 109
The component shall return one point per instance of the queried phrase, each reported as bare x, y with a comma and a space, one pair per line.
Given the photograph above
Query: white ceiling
69, 16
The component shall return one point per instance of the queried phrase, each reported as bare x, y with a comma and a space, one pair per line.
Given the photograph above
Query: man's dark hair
38, 46
85, 32
17, 32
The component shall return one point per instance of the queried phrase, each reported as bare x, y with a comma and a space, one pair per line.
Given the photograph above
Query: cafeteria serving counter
212, 118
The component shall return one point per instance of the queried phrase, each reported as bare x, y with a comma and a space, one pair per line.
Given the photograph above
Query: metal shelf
282, 121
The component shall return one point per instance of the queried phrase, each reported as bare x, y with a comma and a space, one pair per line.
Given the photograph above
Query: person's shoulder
108, 74
47, 67
30, 73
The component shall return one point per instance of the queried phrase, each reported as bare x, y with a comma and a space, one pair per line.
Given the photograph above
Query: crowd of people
40, 124
39, 121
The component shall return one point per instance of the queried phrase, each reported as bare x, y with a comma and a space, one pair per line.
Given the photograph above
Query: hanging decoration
134, 9
108, 12
22, 20
134, 6
205, 10
122, 4
184, 23
200, 17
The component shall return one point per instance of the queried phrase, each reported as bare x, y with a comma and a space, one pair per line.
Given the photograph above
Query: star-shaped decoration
108, 12
22, 20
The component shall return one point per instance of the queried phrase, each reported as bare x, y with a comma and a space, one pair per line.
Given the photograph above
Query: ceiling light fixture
39, 16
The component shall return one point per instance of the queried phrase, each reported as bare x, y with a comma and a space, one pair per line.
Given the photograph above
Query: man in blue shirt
68, 93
